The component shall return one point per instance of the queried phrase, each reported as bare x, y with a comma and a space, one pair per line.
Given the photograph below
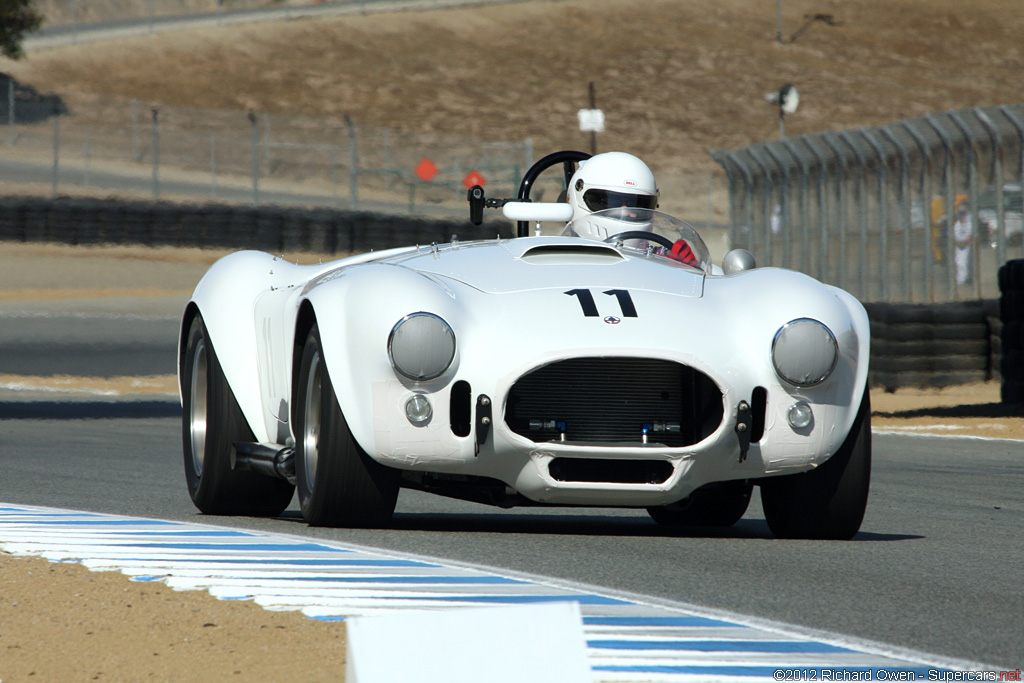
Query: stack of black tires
1011, 312
933, 345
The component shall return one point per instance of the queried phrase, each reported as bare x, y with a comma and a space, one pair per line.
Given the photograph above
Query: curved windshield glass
651, 232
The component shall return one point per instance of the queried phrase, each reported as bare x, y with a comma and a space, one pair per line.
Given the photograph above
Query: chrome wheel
311, 421
197, 404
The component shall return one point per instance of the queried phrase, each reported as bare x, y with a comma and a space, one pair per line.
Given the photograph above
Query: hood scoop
594, 254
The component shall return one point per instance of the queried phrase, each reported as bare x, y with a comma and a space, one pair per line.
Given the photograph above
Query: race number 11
589, 306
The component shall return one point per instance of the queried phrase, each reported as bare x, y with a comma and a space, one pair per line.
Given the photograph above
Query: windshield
645, 230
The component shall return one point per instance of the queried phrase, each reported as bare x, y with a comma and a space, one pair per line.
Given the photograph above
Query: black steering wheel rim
640, 235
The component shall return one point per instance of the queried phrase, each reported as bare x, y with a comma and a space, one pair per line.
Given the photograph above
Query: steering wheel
640, 235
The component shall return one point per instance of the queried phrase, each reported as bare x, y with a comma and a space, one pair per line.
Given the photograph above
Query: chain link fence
924, 210
133, 150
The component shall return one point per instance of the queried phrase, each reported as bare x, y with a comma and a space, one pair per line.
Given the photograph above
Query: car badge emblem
613, 320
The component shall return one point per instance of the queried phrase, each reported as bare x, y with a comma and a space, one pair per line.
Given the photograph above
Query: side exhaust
270, 459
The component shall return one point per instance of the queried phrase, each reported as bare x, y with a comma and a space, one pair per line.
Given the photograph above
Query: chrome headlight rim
804, 384
434, 373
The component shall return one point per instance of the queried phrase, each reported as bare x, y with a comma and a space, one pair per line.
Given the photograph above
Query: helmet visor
599, 200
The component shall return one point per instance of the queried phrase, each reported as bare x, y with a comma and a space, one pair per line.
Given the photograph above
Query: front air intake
615, 402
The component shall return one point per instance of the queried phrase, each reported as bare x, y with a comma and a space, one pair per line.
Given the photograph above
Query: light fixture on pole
787, 98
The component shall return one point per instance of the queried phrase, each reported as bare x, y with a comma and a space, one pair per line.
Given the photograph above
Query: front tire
339, 484
720, 505
212, 423
828, 502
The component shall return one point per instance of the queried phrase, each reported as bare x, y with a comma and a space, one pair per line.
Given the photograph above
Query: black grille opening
610, 471
459, 408
609, 401
758, 408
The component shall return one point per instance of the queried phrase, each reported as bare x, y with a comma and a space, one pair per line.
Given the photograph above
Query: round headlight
804, 352
421, 346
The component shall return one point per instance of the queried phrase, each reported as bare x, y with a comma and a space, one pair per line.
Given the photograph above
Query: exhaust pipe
266, 458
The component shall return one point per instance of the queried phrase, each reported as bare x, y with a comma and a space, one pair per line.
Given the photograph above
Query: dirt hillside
674, 78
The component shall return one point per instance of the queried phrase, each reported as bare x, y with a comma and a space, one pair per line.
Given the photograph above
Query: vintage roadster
538, 370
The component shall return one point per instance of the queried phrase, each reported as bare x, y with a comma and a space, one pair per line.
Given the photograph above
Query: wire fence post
56, 149
156, 154
136, 154
354, 162
254, 125
213, 163
10, 112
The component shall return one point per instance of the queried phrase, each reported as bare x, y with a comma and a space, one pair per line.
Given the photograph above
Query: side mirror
476, 204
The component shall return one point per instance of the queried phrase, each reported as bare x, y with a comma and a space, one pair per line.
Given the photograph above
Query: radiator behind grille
609, 400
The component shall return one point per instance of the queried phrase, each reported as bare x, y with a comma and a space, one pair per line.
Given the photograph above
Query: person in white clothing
963, 243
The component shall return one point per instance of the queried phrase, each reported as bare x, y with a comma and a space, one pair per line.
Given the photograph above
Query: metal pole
1019, 127
997, 173
862, 217
904, 206
748, 182
723, 160
56, 149
947, 181
255, 144
883, 210
136, 156
156, 155
823, 269
786, 224
85, 173
972, 196
766, 176
805, 219
593, 105
841, 168
925, 195
354, 163
778, 21
10, 112
213, 163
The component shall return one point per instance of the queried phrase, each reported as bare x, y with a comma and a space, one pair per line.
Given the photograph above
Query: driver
616, 180
607, 181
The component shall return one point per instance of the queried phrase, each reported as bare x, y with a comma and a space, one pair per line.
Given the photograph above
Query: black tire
829, 501
212, 423
720, 504
339, 484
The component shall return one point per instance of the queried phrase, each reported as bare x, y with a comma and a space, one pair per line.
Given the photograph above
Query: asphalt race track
936, 567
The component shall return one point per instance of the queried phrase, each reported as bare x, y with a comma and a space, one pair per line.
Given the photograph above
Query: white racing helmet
606, 181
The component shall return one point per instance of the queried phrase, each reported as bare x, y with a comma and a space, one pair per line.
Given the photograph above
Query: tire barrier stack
1011, 312
275, 229
934, 345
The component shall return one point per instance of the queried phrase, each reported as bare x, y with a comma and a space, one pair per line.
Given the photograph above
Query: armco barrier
276, 229
913, 345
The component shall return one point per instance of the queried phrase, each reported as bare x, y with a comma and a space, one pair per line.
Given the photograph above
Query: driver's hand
681, 252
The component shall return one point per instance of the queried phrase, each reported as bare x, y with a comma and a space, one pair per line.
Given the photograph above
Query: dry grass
675, 78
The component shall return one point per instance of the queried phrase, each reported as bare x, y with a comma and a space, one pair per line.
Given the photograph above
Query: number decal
625, 302
586, 301
589, 306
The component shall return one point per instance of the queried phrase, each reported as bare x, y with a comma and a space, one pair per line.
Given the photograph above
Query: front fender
355, 311
225, 297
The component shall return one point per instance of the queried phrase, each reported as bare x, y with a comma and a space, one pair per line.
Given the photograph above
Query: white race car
529, 371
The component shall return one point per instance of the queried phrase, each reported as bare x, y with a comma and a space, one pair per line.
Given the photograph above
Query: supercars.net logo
893, 675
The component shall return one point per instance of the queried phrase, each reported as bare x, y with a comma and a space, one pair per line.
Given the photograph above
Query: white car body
697, 348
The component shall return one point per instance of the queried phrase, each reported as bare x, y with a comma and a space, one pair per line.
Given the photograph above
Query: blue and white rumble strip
627, 640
